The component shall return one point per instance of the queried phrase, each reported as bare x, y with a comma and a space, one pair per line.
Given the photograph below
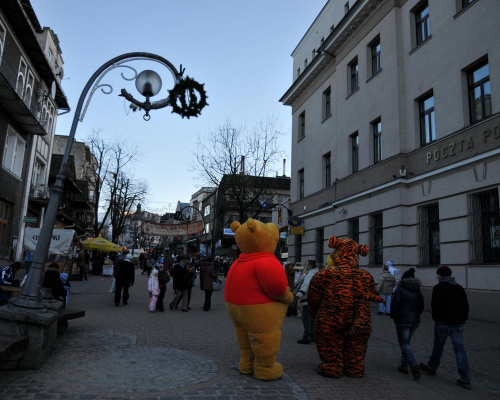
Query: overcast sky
241, 51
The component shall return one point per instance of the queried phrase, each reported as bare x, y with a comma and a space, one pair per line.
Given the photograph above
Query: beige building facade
396, 139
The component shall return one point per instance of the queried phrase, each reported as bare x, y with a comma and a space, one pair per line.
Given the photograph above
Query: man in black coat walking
450, 310
181, 283
124, 276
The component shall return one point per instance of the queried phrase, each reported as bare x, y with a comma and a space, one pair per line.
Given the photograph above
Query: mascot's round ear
333, 242
363, 250
235, 225
251, 225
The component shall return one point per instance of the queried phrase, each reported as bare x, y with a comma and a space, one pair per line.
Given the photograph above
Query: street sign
31, 220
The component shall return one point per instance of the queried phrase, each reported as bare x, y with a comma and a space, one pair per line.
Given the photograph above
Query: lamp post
187, 98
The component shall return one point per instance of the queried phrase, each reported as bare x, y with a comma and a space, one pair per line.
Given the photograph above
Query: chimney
242, 171
284, 166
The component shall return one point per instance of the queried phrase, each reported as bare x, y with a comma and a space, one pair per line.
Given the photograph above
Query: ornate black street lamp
187, 98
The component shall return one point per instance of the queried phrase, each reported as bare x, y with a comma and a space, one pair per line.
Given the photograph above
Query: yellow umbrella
99, 243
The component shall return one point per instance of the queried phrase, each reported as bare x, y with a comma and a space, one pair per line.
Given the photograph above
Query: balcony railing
34, 101
40, 193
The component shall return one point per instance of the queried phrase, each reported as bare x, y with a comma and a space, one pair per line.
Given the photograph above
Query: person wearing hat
385, 287
124, 276
407, 305
450, 311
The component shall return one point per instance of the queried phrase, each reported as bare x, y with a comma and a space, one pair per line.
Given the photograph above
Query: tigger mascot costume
338, 297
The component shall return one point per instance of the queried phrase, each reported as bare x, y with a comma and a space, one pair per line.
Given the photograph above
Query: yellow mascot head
255, 236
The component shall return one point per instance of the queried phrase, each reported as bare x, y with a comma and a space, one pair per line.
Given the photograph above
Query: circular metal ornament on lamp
148, 83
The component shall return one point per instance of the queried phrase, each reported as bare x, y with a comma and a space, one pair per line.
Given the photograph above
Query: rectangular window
298, 72
320, 243
427, 122
429, 245
355, 152
13, 152
354, 229
298, 248
346, 8
376, 239
21, 78
302, 125
353, 68
4, 229
465, 3
327, 170
375, 50
479, 92
305, 64
422, 23
38, 173
484, 224
327, 98
301, 184
3, 32
377, 141
206, 212
207, 228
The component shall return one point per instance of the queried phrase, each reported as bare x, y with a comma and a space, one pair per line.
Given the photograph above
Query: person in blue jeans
450, 310
407, 305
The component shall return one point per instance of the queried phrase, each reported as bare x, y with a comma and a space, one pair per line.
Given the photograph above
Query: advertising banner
149, 228
60, 243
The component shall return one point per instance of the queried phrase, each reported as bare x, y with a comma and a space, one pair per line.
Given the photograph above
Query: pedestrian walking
28, 259
450, 311
181, 283
207, 276
80, 262
163, 279
153, 289
385, 287
149, 264
124, 276
307, 319
407, 305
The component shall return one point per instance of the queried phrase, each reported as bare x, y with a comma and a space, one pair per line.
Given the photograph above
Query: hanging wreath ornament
188, 98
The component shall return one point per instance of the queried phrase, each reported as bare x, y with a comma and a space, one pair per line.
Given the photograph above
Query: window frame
327, 103
484, 227
353, 229
302, 125
301, 179
2, 38
376, 63
353, 75
377, 140
327, 170
429, 241
427, 120
13, 152
355, 152
21, 77
471, 88
376, 239
422, 25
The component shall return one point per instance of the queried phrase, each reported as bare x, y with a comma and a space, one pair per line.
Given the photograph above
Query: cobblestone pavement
128, 353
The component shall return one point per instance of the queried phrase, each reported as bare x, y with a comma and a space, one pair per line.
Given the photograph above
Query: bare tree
116, 192
239, 163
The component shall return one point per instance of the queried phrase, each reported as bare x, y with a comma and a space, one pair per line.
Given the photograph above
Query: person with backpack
385, 287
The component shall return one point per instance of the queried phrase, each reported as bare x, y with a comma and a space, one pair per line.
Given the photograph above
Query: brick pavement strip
126, 352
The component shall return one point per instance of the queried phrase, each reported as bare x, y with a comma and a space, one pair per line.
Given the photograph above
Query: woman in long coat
207, 276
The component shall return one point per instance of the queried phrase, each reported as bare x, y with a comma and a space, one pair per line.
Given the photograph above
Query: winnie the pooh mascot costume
257, 296
339, 298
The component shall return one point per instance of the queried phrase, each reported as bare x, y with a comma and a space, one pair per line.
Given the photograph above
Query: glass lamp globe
148, 83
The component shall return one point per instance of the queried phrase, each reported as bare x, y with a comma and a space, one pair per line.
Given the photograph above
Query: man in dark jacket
450, 310
124, 276
163, 279
181, 283
407, 305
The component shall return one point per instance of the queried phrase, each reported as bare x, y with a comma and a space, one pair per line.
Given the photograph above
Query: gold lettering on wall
459, 146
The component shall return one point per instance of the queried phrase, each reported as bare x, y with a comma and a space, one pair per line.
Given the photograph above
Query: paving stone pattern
127, 352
